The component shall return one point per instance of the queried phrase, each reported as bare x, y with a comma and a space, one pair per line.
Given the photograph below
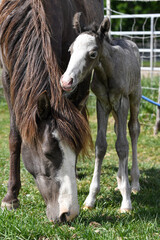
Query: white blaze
83, 44
68, 199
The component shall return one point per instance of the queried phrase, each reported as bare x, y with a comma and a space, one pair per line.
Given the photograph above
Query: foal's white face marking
85, 42
84, 46
68, 200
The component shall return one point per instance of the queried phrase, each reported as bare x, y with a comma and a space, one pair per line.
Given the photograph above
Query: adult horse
48, 129
117, 87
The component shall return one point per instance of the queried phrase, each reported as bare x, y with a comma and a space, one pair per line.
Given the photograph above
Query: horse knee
101, 147
122, 149
134, 128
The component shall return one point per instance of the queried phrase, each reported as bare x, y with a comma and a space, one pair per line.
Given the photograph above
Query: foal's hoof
135, 191
87, 207
116, 189
125, 210
10, 206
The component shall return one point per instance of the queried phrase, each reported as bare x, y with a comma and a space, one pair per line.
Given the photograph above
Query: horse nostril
71, 81
63, 217
66, 80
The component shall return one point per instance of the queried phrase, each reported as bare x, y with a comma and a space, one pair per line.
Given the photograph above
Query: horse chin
69, 91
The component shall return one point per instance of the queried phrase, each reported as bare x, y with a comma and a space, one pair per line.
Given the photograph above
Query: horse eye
48, 155
93, 54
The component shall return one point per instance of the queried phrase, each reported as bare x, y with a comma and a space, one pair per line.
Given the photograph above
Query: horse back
125, 71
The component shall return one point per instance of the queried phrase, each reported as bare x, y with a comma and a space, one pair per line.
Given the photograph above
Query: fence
152, 35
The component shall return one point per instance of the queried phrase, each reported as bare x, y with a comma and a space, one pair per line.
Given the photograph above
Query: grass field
105, 221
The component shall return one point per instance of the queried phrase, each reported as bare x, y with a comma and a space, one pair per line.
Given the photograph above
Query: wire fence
147, 38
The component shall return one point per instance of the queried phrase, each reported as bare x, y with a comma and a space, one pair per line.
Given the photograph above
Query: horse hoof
135, 191
87, 208
10, 206
125, 210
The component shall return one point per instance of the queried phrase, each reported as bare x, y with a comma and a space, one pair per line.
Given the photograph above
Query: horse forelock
92, 30
33, 68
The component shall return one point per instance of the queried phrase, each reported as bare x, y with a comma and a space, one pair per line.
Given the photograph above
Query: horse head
52, 163
85, 52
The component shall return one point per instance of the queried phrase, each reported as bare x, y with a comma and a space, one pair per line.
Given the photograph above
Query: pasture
104, 221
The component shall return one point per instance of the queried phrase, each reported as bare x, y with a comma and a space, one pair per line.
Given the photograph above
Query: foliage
134, 7
103, 222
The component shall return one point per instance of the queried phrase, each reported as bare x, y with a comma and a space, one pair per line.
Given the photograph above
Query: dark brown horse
48, 128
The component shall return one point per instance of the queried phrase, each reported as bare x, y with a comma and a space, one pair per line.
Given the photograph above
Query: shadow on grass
146, 204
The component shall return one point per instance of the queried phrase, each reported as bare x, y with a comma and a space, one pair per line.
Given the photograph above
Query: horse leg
122, 151
10, 201
134, 130
100, 150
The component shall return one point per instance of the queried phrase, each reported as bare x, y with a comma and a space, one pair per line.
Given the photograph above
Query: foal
117, 86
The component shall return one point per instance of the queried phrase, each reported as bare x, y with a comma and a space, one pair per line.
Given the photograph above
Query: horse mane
25, 39
92, 29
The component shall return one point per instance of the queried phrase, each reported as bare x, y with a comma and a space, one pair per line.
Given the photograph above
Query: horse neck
106, 59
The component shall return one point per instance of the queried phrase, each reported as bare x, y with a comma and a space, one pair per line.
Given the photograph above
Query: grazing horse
46, 127
117, 86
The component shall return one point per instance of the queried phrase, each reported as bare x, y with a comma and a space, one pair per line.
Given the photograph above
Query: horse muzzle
64, 215
66, 83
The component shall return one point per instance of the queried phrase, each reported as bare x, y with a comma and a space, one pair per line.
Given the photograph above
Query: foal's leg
134, 130
122, 151
10, 200
100, 150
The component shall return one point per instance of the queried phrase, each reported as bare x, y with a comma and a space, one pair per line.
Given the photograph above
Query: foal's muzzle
66, 83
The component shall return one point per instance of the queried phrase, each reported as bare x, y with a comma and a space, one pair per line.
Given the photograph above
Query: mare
117, 86
47, 128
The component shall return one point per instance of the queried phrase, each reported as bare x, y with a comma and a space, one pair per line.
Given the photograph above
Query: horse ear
43, 106
104, 27
78, 22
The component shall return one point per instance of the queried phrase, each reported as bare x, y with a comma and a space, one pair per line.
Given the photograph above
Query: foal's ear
78, 22
104, 28
43, 106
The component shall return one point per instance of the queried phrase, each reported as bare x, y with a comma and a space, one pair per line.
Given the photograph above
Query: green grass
147, 64
148, 110
104, 221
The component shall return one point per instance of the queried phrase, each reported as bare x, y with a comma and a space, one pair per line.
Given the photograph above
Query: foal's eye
93, 54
